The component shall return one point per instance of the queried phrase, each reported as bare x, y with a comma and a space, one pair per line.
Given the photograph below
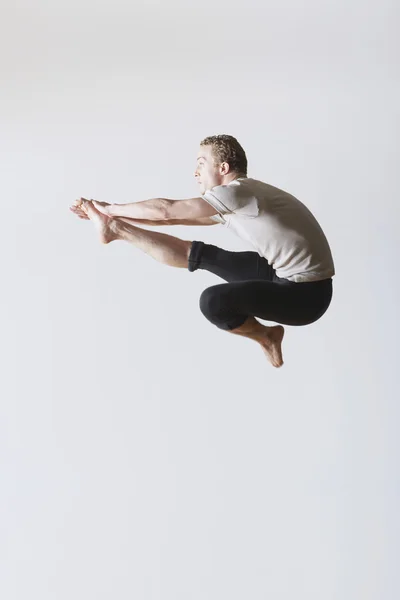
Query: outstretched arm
161, 209
194, 222
151, 210
200, 221
158, 211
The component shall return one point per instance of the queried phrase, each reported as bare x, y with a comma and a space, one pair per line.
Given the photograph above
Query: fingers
79, 213
78, 208
83, 204
79, 202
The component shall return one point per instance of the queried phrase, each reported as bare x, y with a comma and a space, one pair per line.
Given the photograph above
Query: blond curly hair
226, 148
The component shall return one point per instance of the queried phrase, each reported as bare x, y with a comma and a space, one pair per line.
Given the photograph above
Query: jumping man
286, 280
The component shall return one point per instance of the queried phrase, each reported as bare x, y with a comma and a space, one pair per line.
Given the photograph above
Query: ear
224, 168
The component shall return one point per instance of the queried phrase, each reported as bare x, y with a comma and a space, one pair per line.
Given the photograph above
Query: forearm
193, 222
147, 222
150, 210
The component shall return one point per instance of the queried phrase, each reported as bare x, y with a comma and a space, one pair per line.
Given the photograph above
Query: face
206, 174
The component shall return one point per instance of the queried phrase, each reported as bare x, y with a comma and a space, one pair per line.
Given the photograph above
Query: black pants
254, 289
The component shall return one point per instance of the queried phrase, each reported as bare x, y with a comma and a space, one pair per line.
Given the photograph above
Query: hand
76, 207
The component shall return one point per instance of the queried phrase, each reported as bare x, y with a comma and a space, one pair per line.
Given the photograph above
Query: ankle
117, 229
253, 329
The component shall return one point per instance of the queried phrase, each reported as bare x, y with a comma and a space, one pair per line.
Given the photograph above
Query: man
287, 280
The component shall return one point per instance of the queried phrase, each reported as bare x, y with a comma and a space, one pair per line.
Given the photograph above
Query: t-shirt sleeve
228, 199
217, 218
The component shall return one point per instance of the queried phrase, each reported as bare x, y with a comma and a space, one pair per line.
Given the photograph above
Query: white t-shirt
277, 225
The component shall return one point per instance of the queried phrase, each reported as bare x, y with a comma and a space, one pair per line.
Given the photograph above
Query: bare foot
272, 345
106, 226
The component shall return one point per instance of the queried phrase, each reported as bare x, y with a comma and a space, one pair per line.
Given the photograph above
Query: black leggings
254, 289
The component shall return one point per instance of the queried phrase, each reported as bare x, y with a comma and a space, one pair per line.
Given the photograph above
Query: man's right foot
272, 345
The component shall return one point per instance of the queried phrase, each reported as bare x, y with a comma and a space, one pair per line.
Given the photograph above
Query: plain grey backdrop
144, 453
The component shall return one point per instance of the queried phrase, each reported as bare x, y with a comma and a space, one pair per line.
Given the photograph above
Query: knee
216, 306
210, 303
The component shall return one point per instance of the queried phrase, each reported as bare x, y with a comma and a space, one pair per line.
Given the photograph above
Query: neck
232, 177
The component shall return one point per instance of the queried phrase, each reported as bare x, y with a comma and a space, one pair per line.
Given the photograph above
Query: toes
91, 211
85, 209
78, 213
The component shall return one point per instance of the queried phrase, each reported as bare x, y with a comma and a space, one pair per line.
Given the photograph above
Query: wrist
112, 210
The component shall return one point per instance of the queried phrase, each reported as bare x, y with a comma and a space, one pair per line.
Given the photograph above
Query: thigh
287, 303
230, 266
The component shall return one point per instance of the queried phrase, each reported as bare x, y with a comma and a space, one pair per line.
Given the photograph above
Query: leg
230, 266
233, 306
165, 248
236, 267
269, 338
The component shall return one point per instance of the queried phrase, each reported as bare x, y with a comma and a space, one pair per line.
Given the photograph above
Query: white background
145, 453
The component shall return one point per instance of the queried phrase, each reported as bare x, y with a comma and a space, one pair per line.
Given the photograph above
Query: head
220, 160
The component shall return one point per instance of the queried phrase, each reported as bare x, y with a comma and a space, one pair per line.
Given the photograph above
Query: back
280, 227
